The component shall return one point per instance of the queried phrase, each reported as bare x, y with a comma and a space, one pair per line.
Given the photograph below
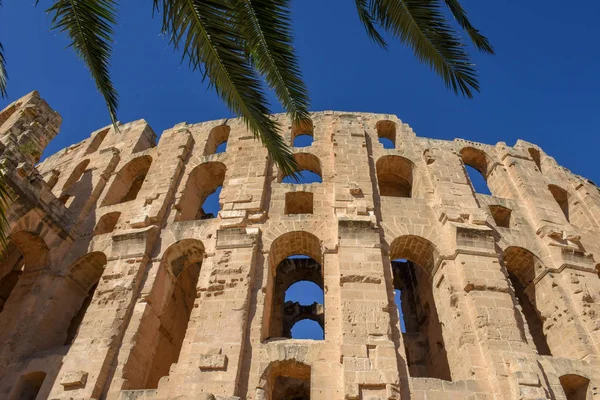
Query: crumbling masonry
117, 284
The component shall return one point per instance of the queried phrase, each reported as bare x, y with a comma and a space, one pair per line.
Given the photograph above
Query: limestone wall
116, 284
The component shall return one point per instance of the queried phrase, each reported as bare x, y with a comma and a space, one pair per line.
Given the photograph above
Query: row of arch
294, 257
130, 178
395, 176
291, 380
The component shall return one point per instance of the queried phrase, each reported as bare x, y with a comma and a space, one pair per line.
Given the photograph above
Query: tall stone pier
118, 283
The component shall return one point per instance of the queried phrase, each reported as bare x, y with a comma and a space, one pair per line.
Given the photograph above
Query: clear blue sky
542, 86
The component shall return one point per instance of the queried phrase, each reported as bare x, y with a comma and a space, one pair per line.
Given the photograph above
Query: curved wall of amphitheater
116, 284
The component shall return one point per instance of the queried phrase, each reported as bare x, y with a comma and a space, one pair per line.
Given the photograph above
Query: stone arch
302, 128
202, 181
394, 176
521, 265
386, 129
536, 157
28, 386
217, 135
285, 380
97, 140
75, 175
479, 161
501, 215
34, 249
165, 320
107, 223
416, 249
86, 272
306, 162
561, 196
128, 181
280, 316
13, 264
295, 242
287, 313
576, 387
413, 260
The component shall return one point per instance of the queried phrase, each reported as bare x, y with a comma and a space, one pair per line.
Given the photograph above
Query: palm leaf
3, 74
421, 24
89, 24
480, 41
206, 32
265, 28
365, 9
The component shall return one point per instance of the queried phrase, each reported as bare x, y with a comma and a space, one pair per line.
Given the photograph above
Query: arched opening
426, 356
217, 140
25, 252
12, 268
166, 320
286, 380
28, 386
107, 223
520, 265
296, 292
386, 133
75, 175
309, 170
85, 272
394, 176
303, 310
128, 181
476, 166
561, 196
302, 134
303, 141
200, 197
299, 203
97, 141
575, 386
501, 215
535, 156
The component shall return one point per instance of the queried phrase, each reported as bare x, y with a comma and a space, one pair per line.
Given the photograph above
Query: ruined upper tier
117, 283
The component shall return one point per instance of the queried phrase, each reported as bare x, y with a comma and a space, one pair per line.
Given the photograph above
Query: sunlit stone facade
117, 284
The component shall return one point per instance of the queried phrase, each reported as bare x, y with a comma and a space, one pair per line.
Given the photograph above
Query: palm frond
206, 32
266, 31
422, 25
480, 41
3, 73
89, 24
365, 9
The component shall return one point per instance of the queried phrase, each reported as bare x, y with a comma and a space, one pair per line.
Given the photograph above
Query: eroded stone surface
116, 283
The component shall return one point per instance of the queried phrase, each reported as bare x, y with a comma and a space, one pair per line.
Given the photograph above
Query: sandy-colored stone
116, 284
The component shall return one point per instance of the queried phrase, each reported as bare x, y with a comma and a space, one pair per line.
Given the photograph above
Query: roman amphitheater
117, 284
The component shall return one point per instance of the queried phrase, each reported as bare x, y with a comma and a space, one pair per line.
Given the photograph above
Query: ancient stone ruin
116, 283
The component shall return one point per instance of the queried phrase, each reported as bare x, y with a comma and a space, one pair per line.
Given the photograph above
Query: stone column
370, 365
89, 363
212, 354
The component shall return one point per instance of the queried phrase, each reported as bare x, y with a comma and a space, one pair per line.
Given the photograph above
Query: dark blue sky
541, 86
